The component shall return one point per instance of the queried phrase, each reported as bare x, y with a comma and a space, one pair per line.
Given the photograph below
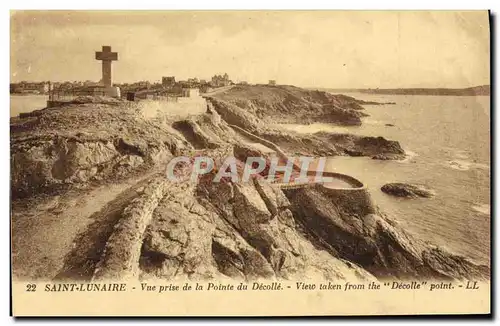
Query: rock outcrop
256, 231
123, 248
253, 107
255, 218
72, 145
200, 229
407, 190
375, 147
293, 104
353, 229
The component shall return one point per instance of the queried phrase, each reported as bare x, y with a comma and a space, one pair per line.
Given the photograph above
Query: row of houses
203, 85
45, 87
30, 87
168, 85
216, 81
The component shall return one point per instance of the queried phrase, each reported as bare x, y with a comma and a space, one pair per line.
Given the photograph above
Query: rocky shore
142, 225
255, 108
407, 190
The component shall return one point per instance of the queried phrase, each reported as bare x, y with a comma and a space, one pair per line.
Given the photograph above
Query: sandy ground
42, 235
185, 107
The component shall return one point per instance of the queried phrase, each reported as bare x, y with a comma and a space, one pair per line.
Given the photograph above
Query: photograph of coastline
250, 146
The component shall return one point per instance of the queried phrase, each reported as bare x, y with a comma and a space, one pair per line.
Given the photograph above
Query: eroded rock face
123, 248
244, 231
350, 230
194, 134
407, 190
235, 115
39, 165
76, 144
254, 230
254, 108
266, 223
241, 231
242, 152
273, 197
293, 104
300, 143
178, 242
375, 147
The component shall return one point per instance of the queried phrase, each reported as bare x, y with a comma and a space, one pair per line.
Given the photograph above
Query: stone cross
106, 56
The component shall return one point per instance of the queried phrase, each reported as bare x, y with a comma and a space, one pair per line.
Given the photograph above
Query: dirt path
45, 232
182, 109
219, 90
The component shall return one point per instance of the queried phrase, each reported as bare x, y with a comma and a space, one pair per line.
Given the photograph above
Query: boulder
375, 147
407, 190
178, 241
243, 151
274, 198
378, 145
249, 207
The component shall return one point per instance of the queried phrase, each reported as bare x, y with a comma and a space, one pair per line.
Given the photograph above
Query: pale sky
337, 49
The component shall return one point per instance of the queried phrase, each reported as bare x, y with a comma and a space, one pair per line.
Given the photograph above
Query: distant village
168, 89
168, 86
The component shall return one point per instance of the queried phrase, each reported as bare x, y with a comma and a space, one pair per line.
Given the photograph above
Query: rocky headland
91, 199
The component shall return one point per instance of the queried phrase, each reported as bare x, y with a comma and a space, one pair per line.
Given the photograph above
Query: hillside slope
91, 201
294, 104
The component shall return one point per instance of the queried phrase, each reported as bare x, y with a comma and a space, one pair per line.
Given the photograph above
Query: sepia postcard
250, 163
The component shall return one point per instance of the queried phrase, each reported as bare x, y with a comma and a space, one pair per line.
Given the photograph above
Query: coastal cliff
292, 104
258, 108
146, 226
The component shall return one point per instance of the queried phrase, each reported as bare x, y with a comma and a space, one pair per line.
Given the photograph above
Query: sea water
447, 139
26, 103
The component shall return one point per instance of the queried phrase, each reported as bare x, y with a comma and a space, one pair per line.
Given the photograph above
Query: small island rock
407, 190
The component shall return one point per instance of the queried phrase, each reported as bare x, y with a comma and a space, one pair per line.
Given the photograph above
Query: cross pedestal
106, 56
